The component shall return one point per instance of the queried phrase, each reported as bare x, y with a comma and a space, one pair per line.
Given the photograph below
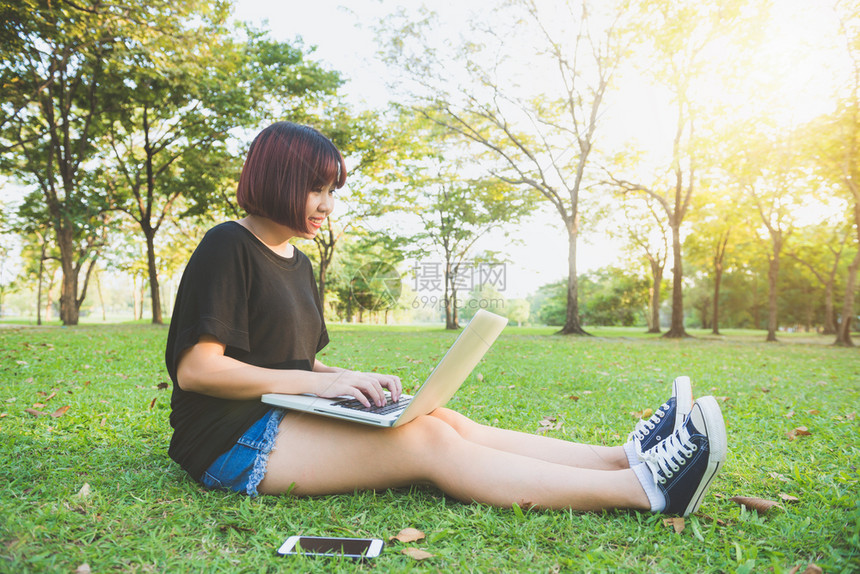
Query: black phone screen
332, 546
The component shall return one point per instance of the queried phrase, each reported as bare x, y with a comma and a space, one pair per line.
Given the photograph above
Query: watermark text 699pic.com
429, 276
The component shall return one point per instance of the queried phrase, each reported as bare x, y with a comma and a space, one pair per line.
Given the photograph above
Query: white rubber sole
708, 419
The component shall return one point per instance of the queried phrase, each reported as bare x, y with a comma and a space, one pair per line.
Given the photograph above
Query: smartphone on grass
355, 548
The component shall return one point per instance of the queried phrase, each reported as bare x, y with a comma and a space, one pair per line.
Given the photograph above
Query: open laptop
437, 390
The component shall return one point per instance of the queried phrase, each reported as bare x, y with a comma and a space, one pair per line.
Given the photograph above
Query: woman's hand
367, 388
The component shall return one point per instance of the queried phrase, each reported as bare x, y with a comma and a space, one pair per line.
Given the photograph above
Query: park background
630, 169
640, 164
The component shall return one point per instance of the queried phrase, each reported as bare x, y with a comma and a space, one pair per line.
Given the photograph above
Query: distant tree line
127, 125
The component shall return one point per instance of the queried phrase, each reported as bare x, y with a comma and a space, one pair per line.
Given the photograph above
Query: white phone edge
373, 550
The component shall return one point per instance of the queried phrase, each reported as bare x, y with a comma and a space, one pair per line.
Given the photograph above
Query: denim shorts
242, 468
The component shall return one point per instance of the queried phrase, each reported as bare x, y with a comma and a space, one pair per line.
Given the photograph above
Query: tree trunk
715, 317
676, 331
321, 283
657, 280
572, 325
772, 284
719, 256
49, 301
101, 297
69, 310
829, 319
843, 333
39, 290
154, 291
450, 319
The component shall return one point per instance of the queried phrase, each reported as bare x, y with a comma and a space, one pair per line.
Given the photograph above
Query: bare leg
536, 446
316, 455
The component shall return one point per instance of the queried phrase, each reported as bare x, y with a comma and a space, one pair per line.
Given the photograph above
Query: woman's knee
460, 423
429, 433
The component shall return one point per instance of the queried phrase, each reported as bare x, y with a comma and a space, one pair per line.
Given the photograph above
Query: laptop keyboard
387, 408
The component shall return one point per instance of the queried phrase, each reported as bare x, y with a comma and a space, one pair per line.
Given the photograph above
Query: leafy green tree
717, 229
532, 136
7, 276
648, 237
484, 296
365, 276
38, 250
836, 159
57, 65
677, 35
612, 296
769, 172
379, 152
458, 212
549, 304
185, 91
517, 311
820, 249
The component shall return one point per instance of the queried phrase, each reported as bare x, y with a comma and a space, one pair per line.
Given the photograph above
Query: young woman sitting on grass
248, 321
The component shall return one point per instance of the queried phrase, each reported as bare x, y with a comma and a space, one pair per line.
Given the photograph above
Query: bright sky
799, 71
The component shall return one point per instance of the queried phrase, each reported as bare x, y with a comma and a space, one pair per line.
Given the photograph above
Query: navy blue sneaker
684, 465
666, 420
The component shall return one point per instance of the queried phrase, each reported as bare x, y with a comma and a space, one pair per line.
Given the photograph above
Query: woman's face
320, 204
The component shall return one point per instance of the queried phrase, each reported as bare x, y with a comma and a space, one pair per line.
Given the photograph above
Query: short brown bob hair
285, 162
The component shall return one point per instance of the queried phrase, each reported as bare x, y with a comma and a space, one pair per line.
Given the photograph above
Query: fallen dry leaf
813, 412
60, 412
162, 386
408, 535
760, 505
83, 569
549, 423
416, 553
480, 377
789, 414
646, 414
777, 476
810, 569
677, 523
83, 493
796, 432
152, 403
34, 412
788, 498
851, 416
3, 415
38, 405
573, 398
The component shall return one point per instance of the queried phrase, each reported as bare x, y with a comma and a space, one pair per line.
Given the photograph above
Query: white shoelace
644, 428
669, 456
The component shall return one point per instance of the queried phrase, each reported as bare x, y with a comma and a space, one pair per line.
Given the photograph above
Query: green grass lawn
144, 515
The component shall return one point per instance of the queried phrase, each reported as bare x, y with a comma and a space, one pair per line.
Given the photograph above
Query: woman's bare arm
205, 369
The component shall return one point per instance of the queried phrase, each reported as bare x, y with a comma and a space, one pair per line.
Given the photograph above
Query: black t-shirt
266, 310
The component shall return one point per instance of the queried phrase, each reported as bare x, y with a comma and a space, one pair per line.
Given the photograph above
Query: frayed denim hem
267, 445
